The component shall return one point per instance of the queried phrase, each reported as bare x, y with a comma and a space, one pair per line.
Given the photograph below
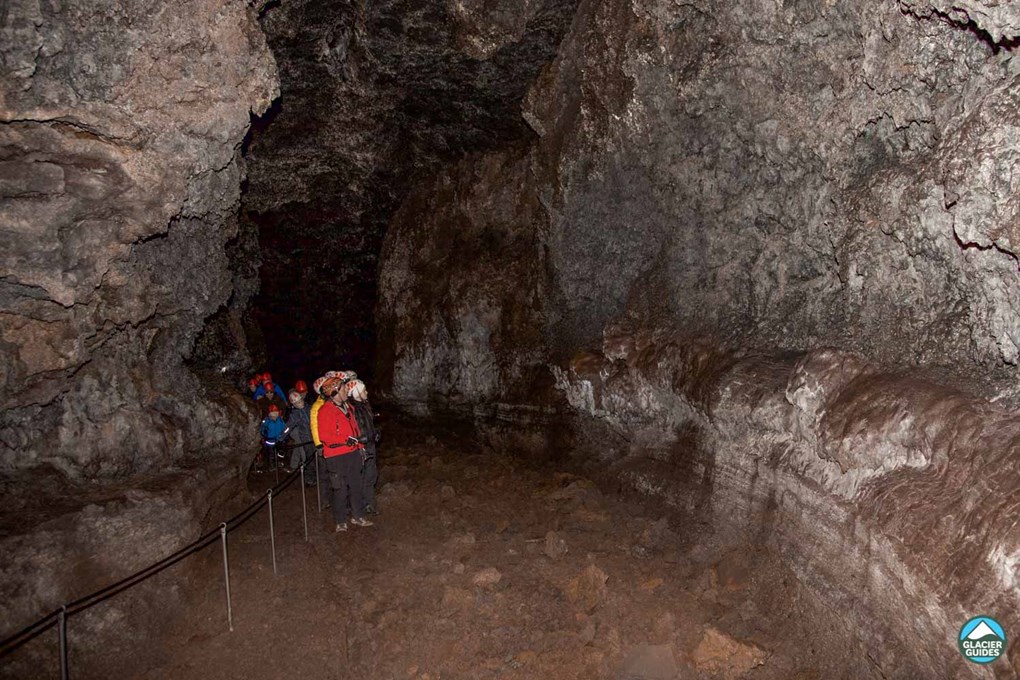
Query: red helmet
273, 408
267, 386
254, 382
301, 386
266, 377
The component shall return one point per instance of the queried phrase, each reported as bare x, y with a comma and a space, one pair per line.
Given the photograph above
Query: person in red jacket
343, 452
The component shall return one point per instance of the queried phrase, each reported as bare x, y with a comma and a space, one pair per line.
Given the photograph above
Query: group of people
338, 428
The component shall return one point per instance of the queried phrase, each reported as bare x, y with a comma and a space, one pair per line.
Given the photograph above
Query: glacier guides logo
982, 640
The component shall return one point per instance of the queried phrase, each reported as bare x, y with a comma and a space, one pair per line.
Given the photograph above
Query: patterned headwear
358, 391
317, 385
331, 386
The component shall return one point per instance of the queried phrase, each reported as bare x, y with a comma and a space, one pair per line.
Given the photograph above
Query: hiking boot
362, 522
341, 527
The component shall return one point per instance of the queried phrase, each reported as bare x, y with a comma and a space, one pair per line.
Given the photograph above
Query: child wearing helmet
271, 430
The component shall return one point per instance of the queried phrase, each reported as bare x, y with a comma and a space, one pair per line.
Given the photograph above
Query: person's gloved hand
352, 441
318, 449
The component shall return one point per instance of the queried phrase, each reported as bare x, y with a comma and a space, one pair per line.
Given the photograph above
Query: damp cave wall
759, 261
121, 125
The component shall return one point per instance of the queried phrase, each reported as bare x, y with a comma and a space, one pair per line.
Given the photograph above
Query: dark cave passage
313, 318
372, 100
693, 329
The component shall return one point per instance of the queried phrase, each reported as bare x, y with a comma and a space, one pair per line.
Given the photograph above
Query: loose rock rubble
466, 588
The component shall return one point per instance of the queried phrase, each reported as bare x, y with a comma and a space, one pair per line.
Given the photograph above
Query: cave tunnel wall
124, 280
759, 262
120, 131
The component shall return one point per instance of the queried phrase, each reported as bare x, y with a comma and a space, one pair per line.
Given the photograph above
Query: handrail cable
44, 623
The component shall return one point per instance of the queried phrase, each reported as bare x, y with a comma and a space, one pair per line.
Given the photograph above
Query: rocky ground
482, 566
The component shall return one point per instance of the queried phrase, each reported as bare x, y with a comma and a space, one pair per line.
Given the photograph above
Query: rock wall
120, 126
891, 497
718, 192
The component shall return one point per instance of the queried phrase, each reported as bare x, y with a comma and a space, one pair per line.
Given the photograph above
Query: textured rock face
120, 130
888, 495
770, 179
373, 95
120, 125
863, 202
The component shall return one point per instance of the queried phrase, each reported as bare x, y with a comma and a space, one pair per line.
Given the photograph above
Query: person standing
366, 423
271, 397
299, 429
342, 450
324, 490
272, 432
269, 387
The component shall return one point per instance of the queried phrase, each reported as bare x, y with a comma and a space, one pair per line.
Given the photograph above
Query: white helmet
357, 390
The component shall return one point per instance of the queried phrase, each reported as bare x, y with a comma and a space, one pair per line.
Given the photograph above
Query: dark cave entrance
313, 318
372, 100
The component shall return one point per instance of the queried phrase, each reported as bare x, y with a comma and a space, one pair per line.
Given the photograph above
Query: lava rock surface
121, 125
744, 235
120, 179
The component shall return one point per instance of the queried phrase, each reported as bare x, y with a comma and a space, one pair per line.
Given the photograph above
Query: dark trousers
303, 454
345, 481
325, 492
369, 476
268, 457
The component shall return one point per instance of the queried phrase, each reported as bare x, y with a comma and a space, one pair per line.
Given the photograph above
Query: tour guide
342, 450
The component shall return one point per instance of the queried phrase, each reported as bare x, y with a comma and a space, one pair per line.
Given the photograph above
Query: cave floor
465, 576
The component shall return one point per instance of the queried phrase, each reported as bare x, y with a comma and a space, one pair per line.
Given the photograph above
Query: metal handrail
59, 616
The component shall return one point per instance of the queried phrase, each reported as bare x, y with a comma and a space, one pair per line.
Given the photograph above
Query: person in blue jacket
269, 386
271, 431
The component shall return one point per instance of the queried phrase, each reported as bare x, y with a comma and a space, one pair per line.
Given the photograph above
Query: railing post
304, 504
62, 627
226, 574
272, 530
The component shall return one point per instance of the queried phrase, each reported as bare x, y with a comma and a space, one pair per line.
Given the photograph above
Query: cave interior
739, 277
